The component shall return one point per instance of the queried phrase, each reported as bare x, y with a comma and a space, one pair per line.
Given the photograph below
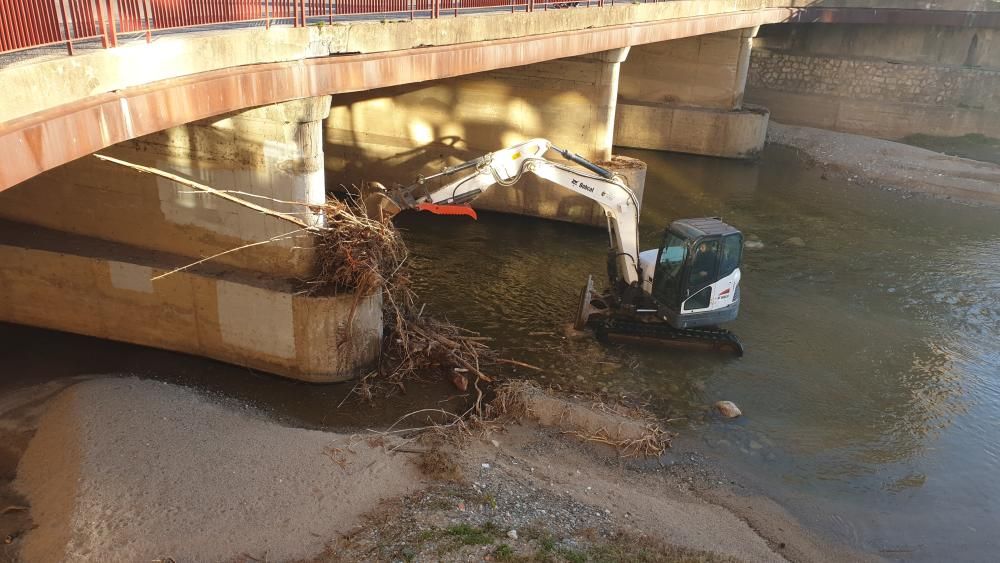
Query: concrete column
84, 247
686, 95
743, 64
395, 134
606, 96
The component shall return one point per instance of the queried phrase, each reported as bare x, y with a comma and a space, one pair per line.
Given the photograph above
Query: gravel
890, 165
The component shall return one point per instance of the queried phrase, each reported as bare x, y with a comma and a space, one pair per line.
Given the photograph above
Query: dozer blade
586, 307
662, 334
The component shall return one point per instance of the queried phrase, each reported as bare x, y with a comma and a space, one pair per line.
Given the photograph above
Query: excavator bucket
378, 204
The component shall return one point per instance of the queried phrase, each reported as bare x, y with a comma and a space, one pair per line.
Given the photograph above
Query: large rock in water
133, 470
728, 409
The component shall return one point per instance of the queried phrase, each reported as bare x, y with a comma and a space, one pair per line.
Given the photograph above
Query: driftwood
518, 364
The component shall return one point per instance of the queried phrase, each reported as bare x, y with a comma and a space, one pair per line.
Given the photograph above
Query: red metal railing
29, 24
25, 24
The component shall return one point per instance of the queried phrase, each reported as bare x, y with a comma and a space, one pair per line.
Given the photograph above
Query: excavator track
617, 330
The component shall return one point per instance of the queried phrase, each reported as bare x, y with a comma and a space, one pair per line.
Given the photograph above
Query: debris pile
356, 253
362, 253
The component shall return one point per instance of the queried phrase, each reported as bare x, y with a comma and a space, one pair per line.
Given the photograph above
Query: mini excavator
675, 294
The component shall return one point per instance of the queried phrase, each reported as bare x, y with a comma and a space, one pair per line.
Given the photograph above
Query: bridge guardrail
30, 24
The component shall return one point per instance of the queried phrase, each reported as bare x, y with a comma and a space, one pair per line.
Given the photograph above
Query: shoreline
141, 454
892, 165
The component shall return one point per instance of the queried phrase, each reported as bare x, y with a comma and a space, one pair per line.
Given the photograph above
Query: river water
871, 380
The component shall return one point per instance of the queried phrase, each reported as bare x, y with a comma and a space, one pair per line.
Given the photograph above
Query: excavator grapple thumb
378, 204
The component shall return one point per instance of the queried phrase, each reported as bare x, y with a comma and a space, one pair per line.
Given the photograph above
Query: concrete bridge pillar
395, 134
608, 69
86, 243
686, 95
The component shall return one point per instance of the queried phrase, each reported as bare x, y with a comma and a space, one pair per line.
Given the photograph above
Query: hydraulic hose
573, 157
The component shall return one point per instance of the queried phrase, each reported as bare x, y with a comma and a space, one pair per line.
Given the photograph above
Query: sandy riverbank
891, 165
128, 469
136, 470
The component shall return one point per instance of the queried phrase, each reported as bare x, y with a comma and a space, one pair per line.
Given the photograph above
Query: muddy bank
128, 469
887, 164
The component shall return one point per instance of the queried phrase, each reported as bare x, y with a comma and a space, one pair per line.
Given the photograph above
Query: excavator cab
694, 278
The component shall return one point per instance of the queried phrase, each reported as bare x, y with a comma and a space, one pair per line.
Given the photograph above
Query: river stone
753, 245
728, 409
795, 241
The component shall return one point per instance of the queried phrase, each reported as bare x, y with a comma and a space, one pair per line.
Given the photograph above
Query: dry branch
224, 252
518, 364
203, 188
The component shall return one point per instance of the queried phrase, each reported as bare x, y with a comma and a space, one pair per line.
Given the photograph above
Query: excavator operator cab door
696, 279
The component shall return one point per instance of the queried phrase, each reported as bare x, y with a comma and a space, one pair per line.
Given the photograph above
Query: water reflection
871, 325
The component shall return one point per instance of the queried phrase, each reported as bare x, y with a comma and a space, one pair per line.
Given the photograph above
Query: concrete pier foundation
100, 234
686, 95
396, 134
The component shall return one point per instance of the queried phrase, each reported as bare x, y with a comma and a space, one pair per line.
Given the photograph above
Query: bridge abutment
92, 263
686, 95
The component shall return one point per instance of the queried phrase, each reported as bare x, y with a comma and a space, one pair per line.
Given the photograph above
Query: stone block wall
878, 80
972, 88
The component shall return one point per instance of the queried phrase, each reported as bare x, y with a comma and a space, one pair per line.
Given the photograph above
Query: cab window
704, 264
699, 300
732, 250
668, 276
672, 255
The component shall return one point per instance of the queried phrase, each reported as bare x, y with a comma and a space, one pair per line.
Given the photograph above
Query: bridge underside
683, 95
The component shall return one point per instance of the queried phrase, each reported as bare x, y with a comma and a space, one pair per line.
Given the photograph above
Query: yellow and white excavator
677, 293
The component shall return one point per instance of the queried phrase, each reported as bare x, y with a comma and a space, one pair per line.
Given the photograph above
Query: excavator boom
507, 166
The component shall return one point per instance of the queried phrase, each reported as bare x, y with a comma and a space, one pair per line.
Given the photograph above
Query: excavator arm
507, 166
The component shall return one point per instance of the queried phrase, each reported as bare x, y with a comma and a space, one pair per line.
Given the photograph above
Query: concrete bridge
275, 100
